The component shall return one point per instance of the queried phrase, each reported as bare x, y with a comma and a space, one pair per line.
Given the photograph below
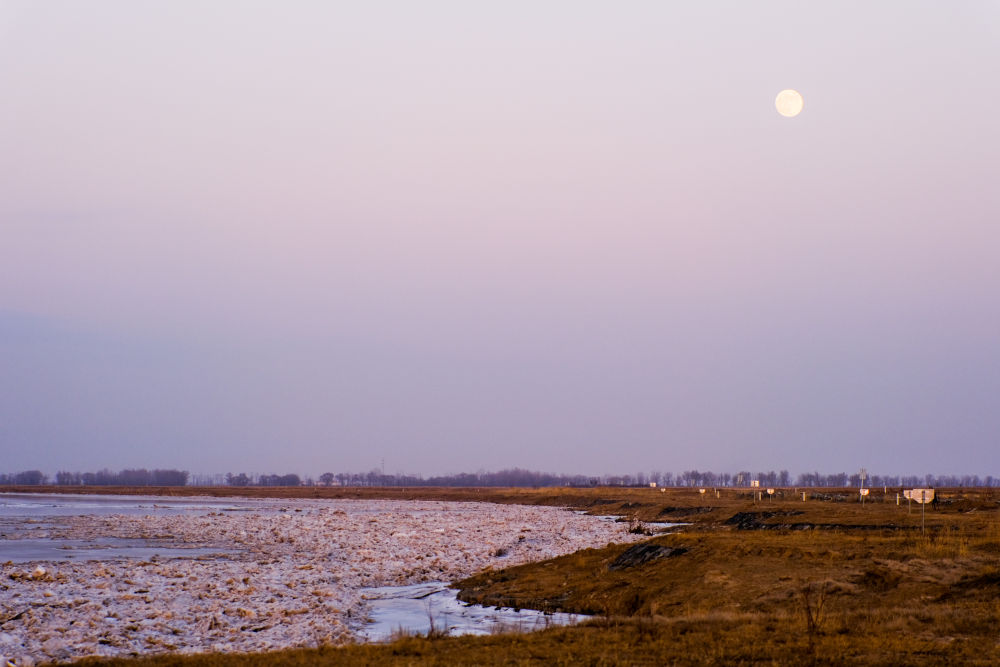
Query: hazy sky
568, 236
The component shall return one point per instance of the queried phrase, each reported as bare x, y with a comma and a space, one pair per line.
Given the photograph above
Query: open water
28, 521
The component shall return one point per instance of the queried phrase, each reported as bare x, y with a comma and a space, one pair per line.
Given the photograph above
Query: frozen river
31, 526
26, 506
106, 575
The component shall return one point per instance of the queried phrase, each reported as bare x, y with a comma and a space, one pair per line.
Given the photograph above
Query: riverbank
824, 581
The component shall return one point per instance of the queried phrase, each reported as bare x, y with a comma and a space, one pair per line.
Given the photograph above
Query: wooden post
923, 501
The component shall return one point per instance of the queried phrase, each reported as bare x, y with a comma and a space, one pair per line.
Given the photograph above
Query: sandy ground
290, 575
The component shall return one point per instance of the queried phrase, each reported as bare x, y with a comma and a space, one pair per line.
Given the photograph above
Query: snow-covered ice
286, 574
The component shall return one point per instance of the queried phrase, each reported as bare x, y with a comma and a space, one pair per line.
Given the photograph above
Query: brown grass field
826, 581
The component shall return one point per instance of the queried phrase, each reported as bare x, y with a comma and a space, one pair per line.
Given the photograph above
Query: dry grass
827, 581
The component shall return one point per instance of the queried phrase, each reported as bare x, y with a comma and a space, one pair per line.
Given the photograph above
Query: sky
567, 236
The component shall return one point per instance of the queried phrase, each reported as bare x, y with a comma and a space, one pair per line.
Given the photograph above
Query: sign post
923, 501
922, 496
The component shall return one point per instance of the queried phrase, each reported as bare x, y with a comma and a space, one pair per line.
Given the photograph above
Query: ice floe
283, 574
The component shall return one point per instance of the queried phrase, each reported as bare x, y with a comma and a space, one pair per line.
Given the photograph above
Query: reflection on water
412, 609
30, 505
655, 526
27, 550
27, 519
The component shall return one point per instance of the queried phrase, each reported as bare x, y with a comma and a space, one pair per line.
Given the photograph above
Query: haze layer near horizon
563, 236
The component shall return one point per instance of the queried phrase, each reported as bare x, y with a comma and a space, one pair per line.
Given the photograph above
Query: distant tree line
688, 478
242, 479
508, 477
128, 477
26, 478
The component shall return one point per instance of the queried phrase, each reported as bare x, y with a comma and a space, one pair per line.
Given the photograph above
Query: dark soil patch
755, 520
879, 579
684, 511
640, 554
759, 521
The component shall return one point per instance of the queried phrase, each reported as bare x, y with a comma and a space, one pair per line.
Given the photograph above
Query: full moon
788, 103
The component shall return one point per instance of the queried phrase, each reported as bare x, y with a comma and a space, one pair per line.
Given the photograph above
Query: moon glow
788, 103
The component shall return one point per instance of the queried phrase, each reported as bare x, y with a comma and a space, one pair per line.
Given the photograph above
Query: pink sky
557, 235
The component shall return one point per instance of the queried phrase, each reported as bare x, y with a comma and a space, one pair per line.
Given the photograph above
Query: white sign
701, 490
770, 492
919, 495
755, 483
864, 492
